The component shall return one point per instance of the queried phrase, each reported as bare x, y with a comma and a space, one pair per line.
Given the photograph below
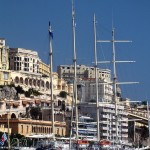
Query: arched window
21, 80
34, 82
26, 81
13, 116
17, 79
30, 82
47, 85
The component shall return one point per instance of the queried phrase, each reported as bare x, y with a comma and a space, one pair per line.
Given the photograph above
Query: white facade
2, 42
87, 128
87, 91
4, 63
23, 60
107, 120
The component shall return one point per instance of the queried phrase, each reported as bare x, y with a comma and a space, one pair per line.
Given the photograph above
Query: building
23, 60
87, 90
4, 63
67, 72
29, 71
107, 120
44, 69
18, 112
4, 129
28, 127
87, 128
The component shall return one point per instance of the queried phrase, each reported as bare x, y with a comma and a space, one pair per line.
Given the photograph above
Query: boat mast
75, 68
115, 82
51, 78
96, 78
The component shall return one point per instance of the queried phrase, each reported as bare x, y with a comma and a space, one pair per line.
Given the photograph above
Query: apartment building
67, 72
108, 120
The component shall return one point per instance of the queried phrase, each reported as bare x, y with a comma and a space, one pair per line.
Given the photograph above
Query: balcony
105, 134
105, 128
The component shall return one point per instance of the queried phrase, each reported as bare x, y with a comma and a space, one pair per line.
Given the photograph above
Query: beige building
18, 113
4, 129
44, 69
30, 127
29, 71
67, 72
23, 60
39, 83
4, 63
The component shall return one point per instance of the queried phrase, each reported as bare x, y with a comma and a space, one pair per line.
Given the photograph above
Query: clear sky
24, 24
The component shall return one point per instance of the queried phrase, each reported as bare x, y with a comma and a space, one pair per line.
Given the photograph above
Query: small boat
81, 144
105, 143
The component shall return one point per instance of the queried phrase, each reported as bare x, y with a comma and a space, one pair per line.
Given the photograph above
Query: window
62, 131
21, 128
57, 131
27, 129
5, 75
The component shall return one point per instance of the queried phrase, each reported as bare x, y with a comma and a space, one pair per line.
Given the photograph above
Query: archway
13, 116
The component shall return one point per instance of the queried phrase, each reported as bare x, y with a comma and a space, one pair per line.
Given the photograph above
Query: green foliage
31, 91
19, 89
63, 94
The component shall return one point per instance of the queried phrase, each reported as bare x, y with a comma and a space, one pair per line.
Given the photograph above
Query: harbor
78, 104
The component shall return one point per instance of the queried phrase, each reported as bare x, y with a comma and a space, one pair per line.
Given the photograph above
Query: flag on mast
50, 31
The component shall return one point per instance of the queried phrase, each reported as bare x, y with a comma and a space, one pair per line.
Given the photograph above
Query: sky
24, 24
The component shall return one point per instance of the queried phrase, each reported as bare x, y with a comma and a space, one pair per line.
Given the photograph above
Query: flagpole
51, 81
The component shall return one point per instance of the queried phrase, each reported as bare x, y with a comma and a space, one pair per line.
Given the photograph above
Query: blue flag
51, 34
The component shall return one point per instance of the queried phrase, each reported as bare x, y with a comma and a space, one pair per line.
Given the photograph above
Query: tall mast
115, 82
96, 78
75, 68
51, 78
